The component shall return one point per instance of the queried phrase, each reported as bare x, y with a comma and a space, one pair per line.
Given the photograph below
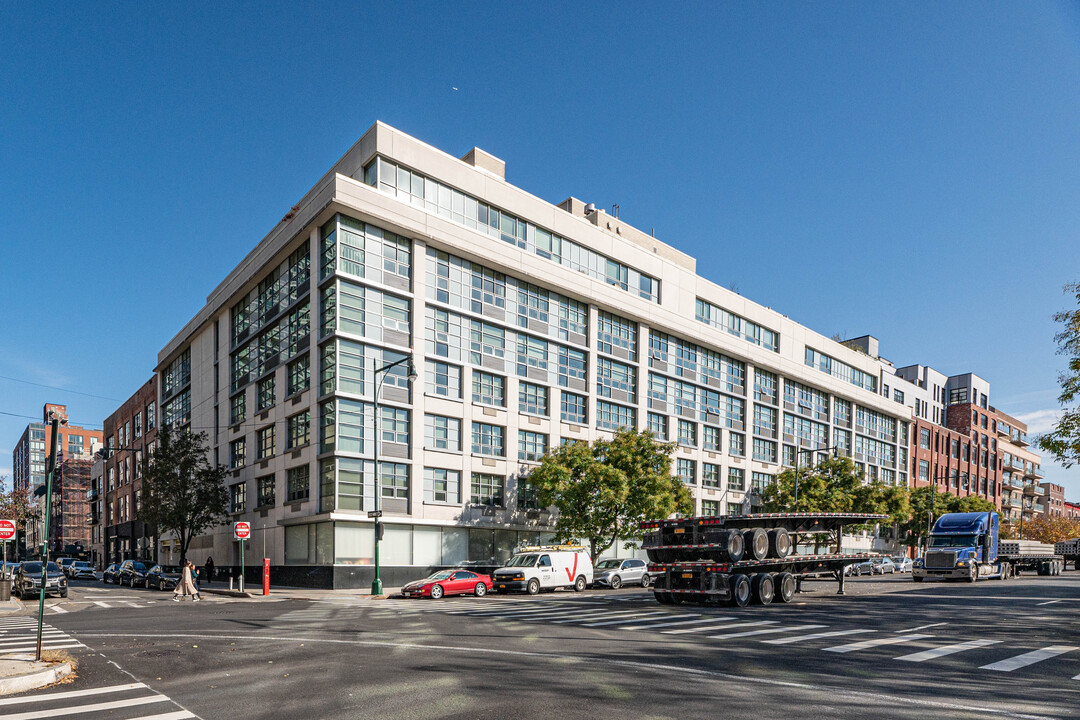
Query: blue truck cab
962, 546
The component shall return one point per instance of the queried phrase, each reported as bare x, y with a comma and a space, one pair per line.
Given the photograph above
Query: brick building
129, 431
1055, 499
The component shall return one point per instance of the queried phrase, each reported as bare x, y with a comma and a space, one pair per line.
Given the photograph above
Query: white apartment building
529, 323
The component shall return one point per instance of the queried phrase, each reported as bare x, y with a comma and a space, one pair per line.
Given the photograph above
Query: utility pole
54, 423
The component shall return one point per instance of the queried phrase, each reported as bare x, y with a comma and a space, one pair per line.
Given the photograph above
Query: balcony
1034, 473
1013, 465
1008, 502
1032, 489
1003, 430
1020, 439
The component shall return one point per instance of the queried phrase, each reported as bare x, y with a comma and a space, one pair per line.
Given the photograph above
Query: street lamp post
376, 584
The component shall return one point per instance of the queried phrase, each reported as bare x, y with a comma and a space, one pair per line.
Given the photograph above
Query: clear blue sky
906, 170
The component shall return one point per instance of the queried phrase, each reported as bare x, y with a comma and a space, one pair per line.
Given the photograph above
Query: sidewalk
283, 592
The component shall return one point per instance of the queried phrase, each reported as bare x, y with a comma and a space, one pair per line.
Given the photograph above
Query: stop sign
7, 529
241, 530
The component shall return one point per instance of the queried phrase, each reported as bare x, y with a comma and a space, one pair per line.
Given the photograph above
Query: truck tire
580, 584
762, 589
740, 590
654, 555
784, 587
917, 578
533, 588
757, 544
660, 591
779, 543
730, 546
974, 576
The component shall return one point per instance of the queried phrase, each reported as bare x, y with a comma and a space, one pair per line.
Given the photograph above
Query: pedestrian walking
186, 586
209, 569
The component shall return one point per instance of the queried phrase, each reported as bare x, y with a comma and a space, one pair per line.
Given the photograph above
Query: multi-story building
129, 432
96, 499
1072, 510
529, 323
69, 523
29, 458
1054, 495
1022, 496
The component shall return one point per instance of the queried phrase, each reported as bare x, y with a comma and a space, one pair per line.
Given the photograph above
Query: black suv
132, 573
28, 580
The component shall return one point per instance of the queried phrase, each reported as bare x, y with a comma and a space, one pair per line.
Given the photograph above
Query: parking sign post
241, 532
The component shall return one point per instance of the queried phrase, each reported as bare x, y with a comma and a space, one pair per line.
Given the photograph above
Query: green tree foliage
182, 492
604, 490
915, 528
1063, 442
15, 505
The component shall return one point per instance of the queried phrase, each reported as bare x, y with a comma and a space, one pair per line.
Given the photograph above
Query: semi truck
965, 546
739, 559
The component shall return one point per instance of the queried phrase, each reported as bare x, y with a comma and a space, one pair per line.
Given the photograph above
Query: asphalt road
888, 649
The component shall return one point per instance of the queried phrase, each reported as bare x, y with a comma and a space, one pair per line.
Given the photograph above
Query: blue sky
906, 170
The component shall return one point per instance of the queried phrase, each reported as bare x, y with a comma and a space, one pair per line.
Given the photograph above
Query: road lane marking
765, 631
944, 650
71, 694
57, 609
922, 627
1048, 602
1029, 658
815, 636
875, 642
722, 626
878, 698
641, 616
99, 603
97, 707
709, 618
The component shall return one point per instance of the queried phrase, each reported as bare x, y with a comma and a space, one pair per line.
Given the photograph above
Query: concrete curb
34, 680
13, 605
227, 593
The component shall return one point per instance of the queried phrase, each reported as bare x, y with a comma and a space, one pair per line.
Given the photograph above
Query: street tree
603, 490
1046, 529
1063, 442
16, 505
182, 491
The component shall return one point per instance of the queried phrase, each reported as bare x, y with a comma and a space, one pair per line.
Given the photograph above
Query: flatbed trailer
744, 558
1069, 550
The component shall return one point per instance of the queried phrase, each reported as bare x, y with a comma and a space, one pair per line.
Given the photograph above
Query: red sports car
449, 582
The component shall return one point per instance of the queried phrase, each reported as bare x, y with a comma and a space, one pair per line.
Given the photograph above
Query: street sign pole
241, 564
55, 425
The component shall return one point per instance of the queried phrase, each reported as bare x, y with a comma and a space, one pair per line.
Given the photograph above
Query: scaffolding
69, 524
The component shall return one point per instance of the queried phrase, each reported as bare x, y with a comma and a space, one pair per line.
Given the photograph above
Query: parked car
111, 576
81, 570
132, 573
616, 573
163, 577
903, 564
64, 564
875, 566
28, 580
449, 582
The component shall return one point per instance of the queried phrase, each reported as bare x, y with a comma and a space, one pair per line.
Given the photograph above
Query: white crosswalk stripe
130, 701
652, 625
638, 616
875, 642
1029, 658
20, 635
765, 631
597, 615
705, 628
815, 636
945, 650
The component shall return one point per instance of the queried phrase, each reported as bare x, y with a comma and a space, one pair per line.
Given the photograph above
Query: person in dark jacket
209, 570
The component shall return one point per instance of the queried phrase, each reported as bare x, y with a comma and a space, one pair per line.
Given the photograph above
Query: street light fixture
376, 513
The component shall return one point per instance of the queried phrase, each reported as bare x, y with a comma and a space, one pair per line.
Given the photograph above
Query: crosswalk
129, 701
660, 624
19, 635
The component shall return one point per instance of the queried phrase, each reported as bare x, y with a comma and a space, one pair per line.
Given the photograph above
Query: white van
546, 567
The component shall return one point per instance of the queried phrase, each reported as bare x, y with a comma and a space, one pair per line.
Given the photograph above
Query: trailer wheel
784, 587
762, 588
740, 590
654, 555
660, 591
917, 578
731, 546
757, 543
779, 543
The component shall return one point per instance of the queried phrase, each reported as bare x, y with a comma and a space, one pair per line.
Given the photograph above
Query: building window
533, 399
572, 367
658, 425
442, 433
395, 313
444, 380
761, 481
266, 487
442, 486
298, 483
736, 444
488, 440
395, 425
613, 331
138, 425
610, 416
710, 475
266, 443
736, 479
765, 421
395, 480
299, 374
687, 433
712, 438
766, 387
764, 450
237, 497
531, 445
488, 389
486, 490
151, 417
924, 470
924, 438
686, 470
237, 453
574, 408
266, 393
299, 429
710, 508
238, 408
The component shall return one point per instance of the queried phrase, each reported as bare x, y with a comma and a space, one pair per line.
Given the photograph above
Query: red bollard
266, 576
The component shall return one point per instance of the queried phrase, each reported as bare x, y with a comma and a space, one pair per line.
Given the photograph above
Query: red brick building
1055, 499
129, 432
954, 461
